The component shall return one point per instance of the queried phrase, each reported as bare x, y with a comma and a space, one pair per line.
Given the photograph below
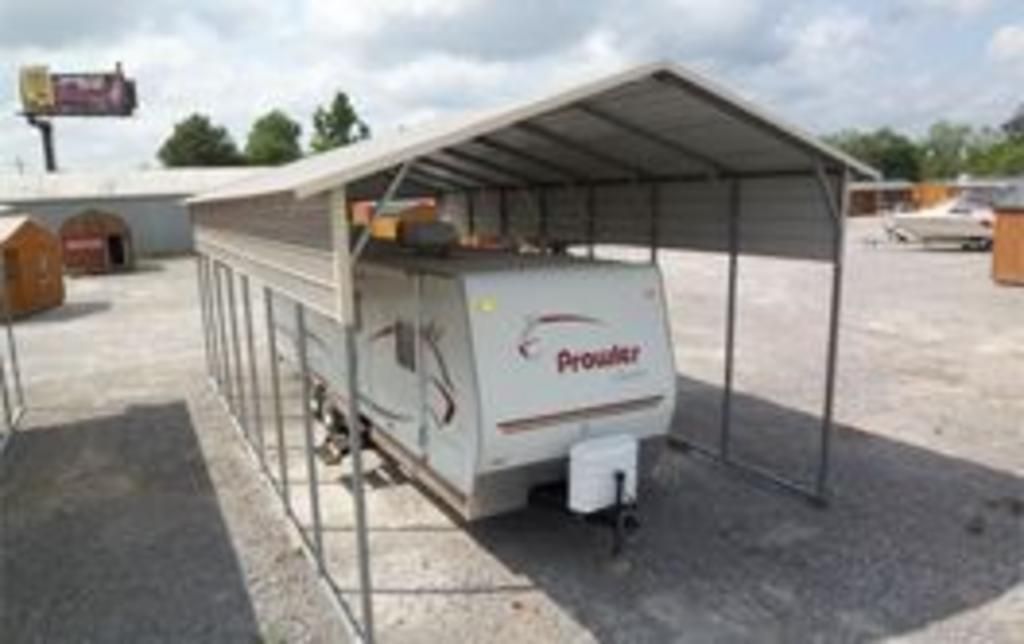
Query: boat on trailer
966, 219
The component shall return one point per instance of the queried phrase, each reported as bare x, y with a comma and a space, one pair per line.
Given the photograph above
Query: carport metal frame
817, 492
444, 170
12, 394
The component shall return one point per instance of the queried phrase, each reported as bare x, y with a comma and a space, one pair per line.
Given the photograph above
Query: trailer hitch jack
624, 521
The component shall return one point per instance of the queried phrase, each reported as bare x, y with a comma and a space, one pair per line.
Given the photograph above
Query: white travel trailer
519, 358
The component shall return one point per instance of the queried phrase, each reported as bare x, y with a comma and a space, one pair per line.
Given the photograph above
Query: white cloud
961, 7
827, 65
1007, 44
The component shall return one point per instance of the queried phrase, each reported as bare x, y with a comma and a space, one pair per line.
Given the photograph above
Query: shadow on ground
912, 537
113, 533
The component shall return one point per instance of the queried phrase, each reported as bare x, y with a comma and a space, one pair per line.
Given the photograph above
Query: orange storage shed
96, 242
1008, 246
33, 278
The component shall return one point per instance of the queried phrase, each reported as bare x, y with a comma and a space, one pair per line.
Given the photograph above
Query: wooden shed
1008, 246
96, 242
33, 279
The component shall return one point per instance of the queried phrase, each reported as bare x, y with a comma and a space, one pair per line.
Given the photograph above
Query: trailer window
405, 345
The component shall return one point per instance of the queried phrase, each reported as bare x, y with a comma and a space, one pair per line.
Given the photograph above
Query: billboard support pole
45, 128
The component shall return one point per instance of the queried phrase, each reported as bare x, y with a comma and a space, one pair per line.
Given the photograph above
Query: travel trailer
519, 358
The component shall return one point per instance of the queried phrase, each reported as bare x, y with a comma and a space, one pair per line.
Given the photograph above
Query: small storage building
33, 279
96, 242
1008, 241
149, 202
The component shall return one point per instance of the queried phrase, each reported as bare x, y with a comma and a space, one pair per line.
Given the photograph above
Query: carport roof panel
679, 104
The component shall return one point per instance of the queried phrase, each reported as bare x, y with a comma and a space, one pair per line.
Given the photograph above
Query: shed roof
11, 225
652, 121
67, 186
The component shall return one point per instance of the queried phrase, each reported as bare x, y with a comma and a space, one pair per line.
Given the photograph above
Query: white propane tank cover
592, 467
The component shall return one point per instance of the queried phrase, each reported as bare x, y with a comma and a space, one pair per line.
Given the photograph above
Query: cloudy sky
826, 64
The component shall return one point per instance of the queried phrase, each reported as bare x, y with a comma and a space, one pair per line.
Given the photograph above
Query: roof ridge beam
583, 149
653, 137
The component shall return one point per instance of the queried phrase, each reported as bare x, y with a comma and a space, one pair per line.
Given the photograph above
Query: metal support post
204, 313
45, 128
254, 386
307, 427
542, 213
236, 349
12, 347
470, 213
275, 390
211, 320
837, 206
725, 434
591, 221
8, 412
655, 216
358, 496
222, 327
503, 213
389, 195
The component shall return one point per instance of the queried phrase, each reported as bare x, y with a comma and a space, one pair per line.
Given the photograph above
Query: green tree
944, 150
273, 140
196, 141
895, 155
1001, 156
1014, 128
337, 125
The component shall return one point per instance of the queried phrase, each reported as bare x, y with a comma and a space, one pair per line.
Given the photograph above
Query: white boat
966, 219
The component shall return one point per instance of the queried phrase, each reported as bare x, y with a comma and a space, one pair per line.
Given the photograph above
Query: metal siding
694, 216
486, 213
523, 213
282, 242
780, 217
567, 213
785, 217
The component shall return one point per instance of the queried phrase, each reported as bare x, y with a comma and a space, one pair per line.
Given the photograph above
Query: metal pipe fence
222, 303
11, 390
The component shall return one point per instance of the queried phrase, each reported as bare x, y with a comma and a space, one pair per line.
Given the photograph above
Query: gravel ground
132, 512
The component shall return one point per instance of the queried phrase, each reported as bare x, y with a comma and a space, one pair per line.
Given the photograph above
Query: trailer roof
655, 121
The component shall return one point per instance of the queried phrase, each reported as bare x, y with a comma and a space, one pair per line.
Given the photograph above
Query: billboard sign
90, 94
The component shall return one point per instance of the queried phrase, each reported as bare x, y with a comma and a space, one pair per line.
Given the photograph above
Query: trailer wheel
319, 400
336, 443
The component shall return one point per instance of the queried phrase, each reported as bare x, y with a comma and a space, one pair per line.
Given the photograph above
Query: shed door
116, 250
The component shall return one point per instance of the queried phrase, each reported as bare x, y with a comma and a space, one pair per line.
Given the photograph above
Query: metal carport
654, 156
